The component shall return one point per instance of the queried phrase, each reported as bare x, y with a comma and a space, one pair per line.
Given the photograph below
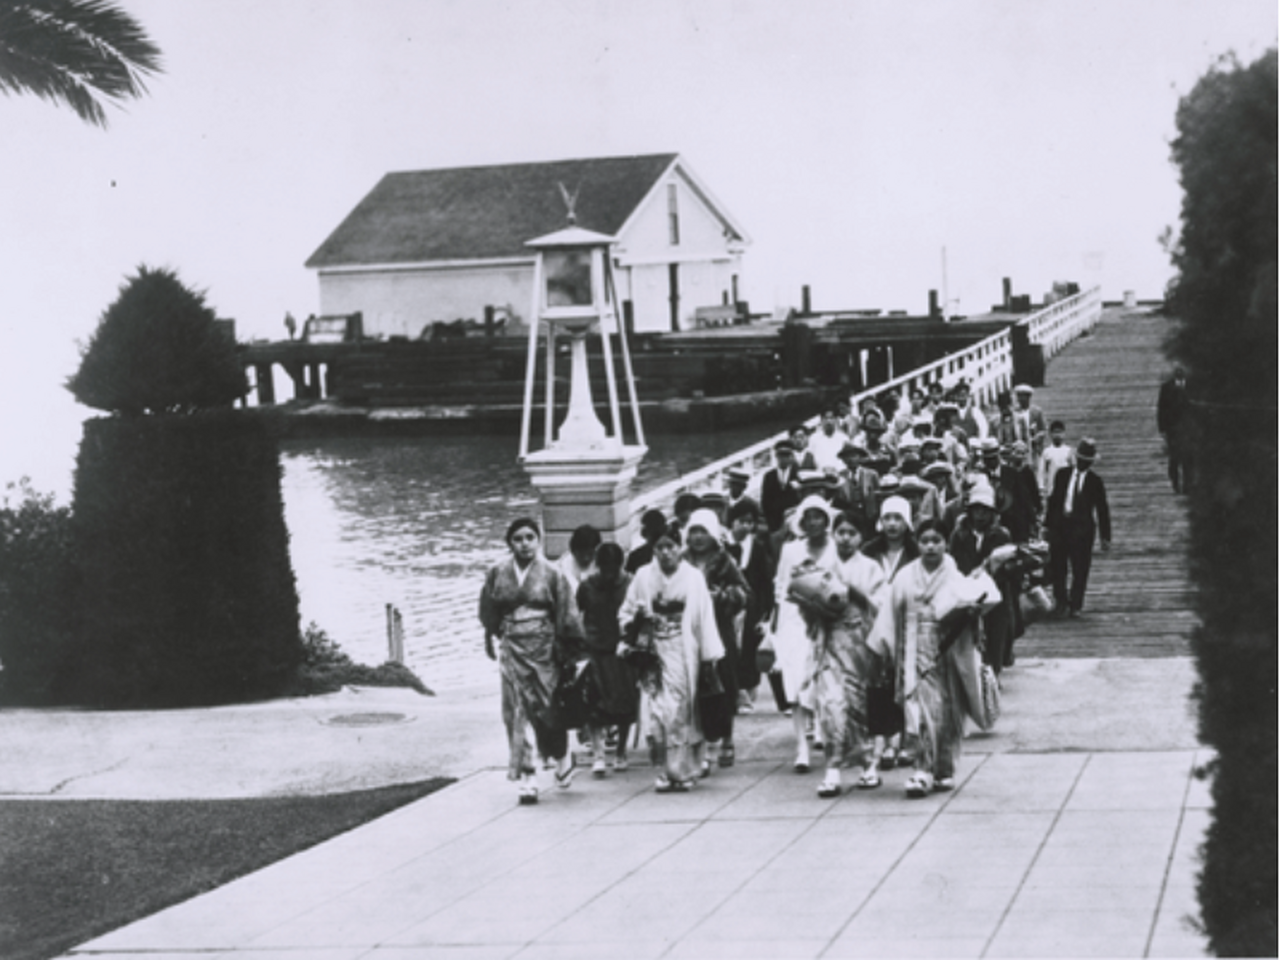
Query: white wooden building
441, 245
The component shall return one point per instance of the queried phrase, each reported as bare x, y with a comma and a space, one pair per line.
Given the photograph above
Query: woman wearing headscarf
892, 548
926, 618
526, 604
669, 625
807, 556
729, 595
839, 615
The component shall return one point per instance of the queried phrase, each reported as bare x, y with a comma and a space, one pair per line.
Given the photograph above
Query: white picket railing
987, 365
1058, 324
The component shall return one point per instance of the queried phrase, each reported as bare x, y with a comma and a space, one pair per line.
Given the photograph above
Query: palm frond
73, 52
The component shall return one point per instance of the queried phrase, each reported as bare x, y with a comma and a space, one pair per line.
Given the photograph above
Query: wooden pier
1139, 602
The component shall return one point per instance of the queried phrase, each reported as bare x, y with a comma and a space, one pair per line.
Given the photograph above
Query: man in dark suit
751, 552
1172, 419
1078, 497
780, 487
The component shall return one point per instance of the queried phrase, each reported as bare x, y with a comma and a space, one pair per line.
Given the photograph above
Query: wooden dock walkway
1139, 601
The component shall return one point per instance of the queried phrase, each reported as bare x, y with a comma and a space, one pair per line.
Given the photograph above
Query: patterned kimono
535, 619
929, 687
682, 634
842, 666
791, 641
730, 594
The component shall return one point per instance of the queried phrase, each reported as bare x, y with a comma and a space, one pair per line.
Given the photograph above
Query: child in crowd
1054, 457
600, 596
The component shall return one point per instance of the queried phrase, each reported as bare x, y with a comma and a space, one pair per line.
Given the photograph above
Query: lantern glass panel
568, 275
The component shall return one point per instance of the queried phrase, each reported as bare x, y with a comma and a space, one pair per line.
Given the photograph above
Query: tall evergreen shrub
157, 350
186, 593
1225, 297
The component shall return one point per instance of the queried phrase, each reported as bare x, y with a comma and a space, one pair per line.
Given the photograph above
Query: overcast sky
853, 140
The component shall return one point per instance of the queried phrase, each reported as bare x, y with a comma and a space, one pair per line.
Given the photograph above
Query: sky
855, 141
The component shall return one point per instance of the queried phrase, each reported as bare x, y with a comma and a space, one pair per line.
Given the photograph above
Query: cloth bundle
819, 592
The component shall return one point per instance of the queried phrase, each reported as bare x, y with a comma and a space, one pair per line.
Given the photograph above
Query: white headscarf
708, 521
812, 502
898, 505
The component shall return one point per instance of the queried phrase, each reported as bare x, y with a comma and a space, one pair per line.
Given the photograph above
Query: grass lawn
71, 870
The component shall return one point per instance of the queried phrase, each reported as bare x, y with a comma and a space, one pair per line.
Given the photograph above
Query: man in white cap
1030, 418
826, 444
977, 534
737, 481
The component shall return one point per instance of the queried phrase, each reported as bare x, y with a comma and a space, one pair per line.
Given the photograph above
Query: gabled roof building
442, 245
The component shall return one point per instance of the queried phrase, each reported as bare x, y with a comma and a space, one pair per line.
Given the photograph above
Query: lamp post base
584, 487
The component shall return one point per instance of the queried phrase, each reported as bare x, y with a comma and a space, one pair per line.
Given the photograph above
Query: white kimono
681, 630
791, 642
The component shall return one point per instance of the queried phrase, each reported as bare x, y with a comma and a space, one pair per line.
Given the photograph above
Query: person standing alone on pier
1173, 419
527, 605
1079, 496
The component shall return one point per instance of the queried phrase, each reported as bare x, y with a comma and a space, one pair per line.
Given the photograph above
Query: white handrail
987, 364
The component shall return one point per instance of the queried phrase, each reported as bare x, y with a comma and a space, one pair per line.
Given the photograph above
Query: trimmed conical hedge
187, 594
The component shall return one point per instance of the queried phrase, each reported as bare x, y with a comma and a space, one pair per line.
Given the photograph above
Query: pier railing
987, 365
1059, 323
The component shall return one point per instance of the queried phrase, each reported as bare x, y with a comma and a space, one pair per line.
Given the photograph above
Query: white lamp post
584, 470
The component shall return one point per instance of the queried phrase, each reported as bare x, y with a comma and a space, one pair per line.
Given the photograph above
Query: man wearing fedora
1077, 512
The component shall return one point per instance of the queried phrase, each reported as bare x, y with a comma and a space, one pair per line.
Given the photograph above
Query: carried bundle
819, 592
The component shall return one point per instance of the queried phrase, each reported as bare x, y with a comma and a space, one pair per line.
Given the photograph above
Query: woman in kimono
526, 604
729, 595
892, 548
843, 664
929, 687
669, 624
805, 557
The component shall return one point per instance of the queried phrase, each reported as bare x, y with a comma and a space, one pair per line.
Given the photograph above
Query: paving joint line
516, 866
902, 856
764, 866
1039, 849
699, 824
1173, 853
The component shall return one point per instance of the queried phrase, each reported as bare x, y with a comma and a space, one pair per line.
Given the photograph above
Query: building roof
478, 213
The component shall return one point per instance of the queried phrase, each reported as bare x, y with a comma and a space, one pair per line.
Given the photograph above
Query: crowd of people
874, 581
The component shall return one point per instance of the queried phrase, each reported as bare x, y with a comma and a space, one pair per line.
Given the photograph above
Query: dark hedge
157, 349
37, 595
187, 595
1225, 297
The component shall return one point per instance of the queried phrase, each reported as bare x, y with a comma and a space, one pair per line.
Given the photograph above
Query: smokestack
1008, 292
933, 305
804, 299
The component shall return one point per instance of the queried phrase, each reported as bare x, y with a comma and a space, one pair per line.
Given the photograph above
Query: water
416, 523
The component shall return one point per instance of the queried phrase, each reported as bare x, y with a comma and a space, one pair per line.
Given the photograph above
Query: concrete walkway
1073, 832
1034, 855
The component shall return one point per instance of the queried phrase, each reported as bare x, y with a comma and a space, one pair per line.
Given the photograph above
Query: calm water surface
416, 523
